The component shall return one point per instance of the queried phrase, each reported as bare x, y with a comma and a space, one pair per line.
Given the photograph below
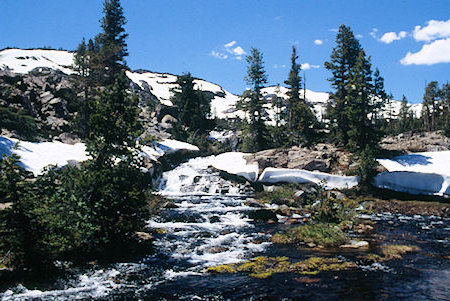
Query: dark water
208, 229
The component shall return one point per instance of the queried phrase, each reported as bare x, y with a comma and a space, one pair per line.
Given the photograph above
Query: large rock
416, 142
322, 157
163, 110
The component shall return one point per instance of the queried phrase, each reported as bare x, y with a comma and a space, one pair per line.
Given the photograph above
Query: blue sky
210, 38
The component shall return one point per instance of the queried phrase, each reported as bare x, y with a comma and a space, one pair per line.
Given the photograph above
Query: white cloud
238, 51
218, 55
433, 30
318, 42
359, 36
229, 45
333, 29
307, 66
276, 66
373, 33
390, 37
430, 54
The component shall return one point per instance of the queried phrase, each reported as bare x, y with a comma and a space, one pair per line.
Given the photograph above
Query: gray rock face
322, 157
417, 142
51, 97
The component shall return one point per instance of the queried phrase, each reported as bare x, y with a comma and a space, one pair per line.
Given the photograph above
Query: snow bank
23, 61
35, 156
170, 146
235, 163
285, 175
419, 173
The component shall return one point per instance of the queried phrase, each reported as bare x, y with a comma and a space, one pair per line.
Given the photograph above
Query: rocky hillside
40, 83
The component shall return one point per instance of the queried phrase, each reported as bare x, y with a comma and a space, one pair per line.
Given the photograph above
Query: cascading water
207, 224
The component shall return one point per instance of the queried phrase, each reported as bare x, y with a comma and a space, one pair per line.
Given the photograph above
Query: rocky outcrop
322, 157
50, 97
410, 142
46, 95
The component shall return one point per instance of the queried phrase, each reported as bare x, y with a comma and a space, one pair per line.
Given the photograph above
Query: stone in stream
262, 215
355, 244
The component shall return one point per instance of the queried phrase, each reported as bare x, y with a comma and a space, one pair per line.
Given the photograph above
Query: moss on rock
320, 234
264, 267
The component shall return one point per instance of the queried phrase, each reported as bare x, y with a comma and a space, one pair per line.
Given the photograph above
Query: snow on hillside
34, 156
23, 61
418, 173
161, 84
318, 100
223, 103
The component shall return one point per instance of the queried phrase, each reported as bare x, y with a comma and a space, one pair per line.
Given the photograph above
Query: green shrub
319, 234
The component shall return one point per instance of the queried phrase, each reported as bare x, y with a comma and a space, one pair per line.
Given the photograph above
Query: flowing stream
208, 225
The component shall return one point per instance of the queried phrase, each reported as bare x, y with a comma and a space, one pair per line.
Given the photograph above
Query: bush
76, 214
367, 166
319, 234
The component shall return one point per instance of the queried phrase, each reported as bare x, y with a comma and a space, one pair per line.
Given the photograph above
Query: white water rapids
207, 227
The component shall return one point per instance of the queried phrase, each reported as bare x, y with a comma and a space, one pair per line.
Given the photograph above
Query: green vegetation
353, 96
391, 252
320, 234
194, 111
396, 251
79, 213
301, 120
255, 133
265, 267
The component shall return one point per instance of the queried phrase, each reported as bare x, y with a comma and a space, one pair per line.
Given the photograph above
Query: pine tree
404, 115
362, 131
342, 60
445, 101
193, 105
279, 131
113, 47
379, 98
300, 117
294, 83
113, 123
431, 105
251, 102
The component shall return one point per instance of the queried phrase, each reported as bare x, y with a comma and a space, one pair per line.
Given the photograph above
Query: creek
208, 225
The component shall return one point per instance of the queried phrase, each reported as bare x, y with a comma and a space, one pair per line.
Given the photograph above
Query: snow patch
280, 175
34, 156
23, 61
235, 163
418, 173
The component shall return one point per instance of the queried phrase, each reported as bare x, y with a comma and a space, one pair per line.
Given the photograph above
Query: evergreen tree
279, 131
193, 105
251, 102
294, 83
342, 60
431, 105
404, 116
445, 100
379, 97
111, 41
359, 105
300, 117
114, 124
